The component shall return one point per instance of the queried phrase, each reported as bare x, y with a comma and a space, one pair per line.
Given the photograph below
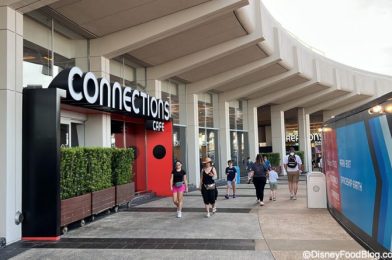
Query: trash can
316, 189
238, 179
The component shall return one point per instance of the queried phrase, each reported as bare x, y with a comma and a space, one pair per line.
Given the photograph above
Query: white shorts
230, 183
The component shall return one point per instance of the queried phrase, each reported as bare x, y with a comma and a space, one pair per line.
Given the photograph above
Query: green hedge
122, 166
84, 170
73, 168
274, 158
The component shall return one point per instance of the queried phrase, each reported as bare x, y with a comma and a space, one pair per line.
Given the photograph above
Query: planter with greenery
88, 181
122, 176
75, 198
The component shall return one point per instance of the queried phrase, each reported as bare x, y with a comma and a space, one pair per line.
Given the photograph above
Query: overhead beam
124, 41
332, 113
188, 62
299, 102
231, 75
272, 97
329, 103
247, 90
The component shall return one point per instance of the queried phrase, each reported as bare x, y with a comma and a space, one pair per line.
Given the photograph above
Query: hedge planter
76, 208
103, 200
124, 193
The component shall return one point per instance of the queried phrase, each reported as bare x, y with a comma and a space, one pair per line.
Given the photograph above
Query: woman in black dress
207, 185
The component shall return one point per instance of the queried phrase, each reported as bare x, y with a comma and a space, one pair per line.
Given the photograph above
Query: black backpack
292, 161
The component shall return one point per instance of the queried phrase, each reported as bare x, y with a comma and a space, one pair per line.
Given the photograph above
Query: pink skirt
179, 189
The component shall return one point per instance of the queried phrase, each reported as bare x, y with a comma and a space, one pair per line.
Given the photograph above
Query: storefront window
239, 148
208, 136
236, 115
71, 134
179, 145
208, 143
206, 108
170, 93
127, 73
38, 67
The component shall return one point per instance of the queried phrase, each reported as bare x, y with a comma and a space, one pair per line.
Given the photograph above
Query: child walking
273, 181
231, 173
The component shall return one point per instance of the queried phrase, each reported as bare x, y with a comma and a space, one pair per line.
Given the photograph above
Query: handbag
209, 186
178, 184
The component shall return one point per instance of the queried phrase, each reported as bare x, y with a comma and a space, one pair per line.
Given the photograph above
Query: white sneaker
261, 203
294, 197
214, 210
179, 214
208, 215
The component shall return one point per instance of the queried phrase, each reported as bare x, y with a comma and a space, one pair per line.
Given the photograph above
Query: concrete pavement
241, 229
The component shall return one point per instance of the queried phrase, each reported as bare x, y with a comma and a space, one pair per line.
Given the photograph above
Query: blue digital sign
357, 176
382, 141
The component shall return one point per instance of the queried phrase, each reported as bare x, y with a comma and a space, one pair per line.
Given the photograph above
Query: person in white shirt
273, 182
293, 166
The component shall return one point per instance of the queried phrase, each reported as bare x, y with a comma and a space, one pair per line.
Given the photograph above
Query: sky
357, 33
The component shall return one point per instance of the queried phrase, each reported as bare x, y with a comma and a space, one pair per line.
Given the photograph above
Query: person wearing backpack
293, 166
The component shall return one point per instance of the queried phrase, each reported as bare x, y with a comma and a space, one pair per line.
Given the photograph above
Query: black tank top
207, 179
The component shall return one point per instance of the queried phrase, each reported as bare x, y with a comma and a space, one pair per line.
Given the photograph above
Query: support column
81, 56
253, 132
224, 136
192, 139
278, 134
98, 126
304, 138
154, 88
11, 84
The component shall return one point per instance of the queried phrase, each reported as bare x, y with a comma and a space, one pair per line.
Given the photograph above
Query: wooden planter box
76, 208
124, 193
103, 200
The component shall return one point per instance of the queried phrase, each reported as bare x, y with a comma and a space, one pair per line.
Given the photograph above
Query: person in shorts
178, 185
293, 166
231, 174
273, 182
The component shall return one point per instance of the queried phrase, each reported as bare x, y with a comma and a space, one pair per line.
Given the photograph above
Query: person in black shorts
231, 174
207, 186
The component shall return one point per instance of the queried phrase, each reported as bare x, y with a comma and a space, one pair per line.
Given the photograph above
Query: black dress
209, 196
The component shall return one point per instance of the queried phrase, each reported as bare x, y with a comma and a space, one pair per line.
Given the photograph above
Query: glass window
179, 145
127, 72
38, 68
236, 115
71, 133
239, 148
205, 107
170, 93
208, 145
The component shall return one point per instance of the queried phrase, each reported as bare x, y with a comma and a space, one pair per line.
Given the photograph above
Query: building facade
216, 62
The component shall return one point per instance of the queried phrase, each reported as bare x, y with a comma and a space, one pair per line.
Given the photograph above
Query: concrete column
278, 133
304, 138
154, 88
98, 130
98, 126
182, 104
11, 84
224, 136
192, 139
81, 55
253, 132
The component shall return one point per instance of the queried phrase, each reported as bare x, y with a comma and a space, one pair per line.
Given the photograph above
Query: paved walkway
240, 229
